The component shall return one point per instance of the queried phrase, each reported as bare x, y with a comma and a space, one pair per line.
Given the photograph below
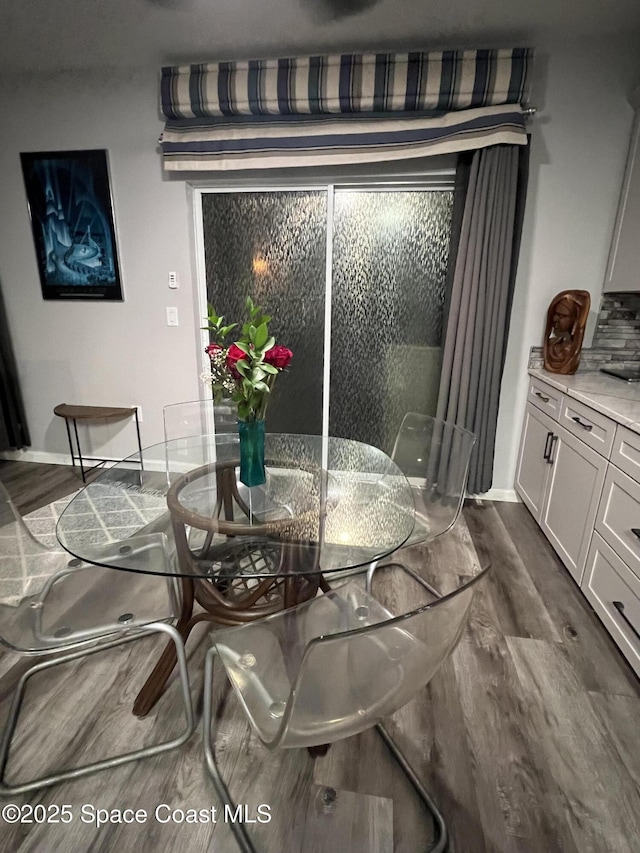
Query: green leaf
261, 336
268, 344
262, 386
242, 367
269, 368
244, 347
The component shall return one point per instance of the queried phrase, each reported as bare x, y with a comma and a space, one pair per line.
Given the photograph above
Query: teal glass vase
252, 471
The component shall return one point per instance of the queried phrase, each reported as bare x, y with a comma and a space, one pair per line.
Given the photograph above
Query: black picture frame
71, 212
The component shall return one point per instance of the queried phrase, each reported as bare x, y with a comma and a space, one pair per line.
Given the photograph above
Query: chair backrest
198, 417
434, 455
338, 664
25, 563
49, 599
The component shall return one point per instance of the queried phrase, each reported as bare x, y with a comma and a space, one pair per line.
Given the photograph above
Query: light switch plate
172, 317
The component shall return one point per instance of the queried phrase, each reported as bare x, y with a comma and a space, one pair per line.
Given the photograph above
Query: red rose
278, 357
234, 354
212, 349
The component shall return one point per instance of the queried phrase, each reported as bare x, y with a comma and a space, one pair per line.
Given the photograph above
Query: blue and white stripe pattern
348, 83
341, 109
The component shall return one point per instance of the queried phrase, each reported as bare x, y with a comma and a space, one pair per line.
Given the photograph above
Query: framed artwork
72, 222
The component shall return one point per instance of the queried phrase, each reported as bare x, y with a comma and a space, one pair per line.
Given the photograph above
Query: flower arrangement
246, 370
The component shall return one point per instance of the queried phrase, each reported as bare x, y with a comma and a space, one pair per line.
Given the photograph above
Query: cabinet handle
547, 447
588, 427
542, 397
552, 444
636, 531
619, 606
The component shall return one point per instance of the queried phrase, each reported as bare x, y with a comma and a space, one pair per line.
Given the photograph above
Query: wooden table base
296, 589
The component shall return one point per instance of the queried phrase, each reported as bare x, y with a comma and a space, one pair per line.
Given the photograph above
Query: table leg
192, 589
154, 685
298, 588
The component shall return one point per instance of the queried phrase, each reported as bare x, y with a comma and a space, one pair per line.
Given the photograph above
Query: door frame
425, 176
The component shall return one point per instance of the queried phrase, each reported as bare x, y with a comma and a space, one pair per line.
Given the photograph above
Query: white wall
579, 144
104, 353
123, 353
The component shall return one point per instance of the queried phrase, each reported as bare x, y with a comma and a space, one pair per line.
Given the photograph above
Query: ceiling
47, 35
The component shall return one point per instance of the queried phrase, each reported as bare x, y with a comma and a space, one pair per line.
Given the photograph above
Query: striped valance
316, 110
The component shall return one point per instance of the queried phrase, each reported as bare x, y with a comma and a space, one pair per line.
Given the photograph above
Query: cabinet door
573, 492
623, 268
533, 469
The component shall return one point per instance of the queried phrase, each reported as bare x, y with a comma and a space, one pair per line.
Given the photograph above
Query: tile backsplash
616, 339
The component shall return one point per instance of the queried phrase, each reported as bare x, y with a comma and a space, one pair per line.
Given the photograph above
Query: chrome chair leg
244, 842
239, 832
45, 781
442, 835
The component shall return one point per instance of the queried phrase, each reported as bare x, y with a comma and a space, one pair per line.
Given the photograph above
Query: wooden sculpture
564, 332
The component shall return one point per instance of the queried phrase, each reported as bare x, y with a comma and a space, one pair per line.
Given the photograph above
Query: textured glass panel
272, 245
390, 256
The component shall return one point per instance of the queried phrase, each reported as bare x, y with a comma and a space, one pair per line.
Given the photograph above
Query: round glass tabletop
327, 505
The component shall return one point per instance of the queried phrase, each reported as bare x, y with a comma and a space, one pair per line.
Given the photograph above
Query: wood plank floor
527, 738
33, 484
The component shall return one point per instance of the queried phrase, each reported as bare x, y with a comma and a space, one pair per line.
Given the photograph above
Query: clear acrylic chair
434, 456
337, 665
51, 602
198, 417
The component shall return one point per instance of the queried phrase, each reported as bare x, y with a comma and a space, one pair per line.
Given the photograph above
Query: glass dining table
328, 506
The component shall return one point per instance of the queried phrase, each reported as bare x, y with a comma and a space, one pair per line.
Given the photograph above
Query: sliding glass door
355, 281
272, 247
390, 251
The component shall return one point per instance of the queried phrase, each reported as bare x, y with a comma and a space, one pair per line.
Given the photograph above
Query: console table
93, 413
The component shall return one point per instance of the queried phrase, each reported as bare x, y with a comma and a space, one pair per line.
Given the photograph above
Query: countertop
615, 398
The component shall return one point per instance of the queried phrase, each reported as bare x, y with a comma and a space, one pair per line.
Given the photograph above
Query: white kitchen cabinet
623, 267
614, 592
532, 472
574, 486
578, 473
560, 480
618, 519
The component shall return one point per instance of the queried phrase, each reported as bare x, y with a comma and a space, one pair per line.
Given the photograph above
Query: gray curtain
14, 432
490, 204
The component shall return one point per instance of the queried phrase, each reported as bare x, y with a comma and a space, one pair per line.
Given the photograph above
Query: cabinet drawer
546, 398
596, 430
625, 453
619, 515
614, 593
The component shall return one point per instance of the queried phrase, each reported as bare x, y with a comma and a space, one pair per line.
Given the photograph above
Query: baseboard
499, 495
43, 456
36, 456
64, 459
48, 458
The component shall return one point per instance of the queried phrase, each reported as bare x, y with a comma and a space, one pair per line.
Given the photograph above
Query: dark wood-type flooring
527, 738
